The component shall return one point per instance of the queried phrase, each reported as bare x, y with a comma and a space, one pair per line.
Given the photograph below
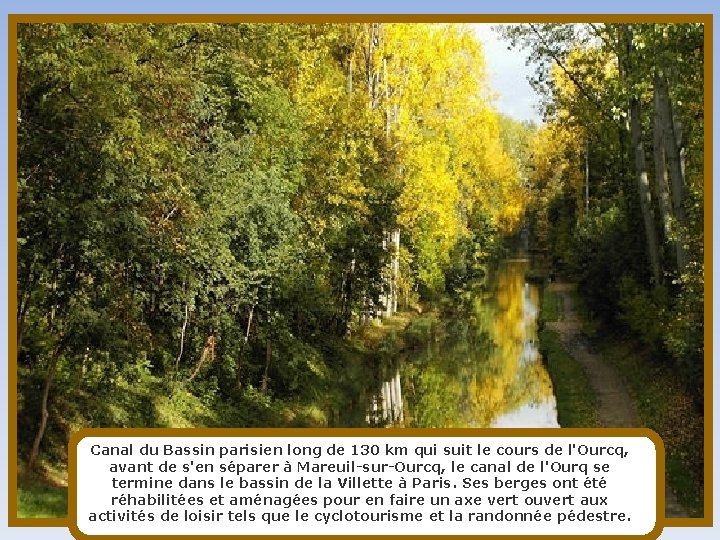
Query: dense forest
214, 207
209, 214
618, 176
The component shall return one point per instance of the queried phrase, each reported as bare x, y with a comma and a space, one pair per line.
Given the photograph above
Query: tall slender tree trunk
25, 289
395, 269
47, 385
182, 348
266, 373
44, 413
246, 339
675, 163
641, 175
661, 177
350, 75
587, 176
24, 305
392, 238
625, 66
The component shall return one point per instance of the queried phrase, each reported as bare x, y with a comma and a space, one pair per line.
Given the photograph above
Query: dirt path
615, 408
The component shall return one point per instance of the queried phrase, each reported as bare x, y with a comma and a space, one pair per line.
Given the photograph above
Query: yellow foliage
557, 154
445, 132
418, 93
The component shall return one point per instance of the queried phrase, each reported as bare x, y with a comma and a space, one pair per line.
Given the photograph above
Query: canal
480, 368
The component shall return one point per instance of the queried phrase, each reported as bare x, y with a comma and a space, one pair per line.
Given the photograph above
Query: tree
616, 92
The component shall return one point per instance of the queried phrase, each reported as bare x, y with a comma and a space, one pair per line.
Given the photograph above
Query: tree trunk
587, 176
44, 414
660, 127
246, 339
268, 356
395, 269
661, 185
49, 377
627, 74
207, 356
350, 75
644, 188
24, 299
180, 352
20, 328
372, 76
675, 165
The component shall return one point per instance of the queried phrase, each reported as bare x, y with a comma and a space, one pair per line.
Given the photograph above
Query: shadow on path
615, 407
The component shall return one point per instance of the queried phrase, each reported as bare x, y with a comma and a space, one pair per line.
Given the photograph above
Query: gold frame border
15, 19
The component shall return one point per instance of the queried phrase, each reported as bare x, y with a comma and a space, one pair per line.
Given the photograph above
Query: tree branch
145, 59
572, 77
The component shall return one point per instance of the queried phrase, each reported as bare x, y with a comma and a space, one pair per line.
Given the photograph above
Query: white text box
366, 485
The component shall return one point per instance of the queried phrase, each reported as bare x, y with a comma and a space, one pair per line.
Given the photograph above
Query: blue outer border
325, 6
355, 6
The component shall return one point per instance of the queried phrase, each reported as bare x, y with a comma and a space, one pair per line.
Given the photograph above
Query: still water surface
483, 371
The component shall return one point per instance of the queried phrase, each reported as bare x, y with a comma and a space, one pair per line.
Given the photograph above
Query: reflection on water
530, 415
387, 406
485, 371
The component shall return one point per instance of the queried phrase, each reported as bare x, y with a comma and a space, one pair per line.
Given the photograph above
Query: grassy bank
147, 402
40, 498
576, 402
43, 494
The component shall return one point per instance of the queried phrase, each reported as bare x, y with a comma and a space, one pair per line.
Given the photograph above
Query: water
484, 370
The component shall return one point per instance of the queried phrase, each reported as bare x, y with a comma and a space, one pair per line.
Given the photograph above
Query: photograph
339, 223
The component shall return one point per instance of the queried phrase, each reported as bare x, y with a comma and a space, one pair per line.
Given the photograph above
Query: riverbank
43, 493
619, 385
576, 403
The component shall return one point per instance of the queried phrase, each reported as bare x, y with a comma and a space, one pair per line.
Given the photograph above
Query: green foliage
561, 213
516, 138
684, 330
40, 499
601, 252
591, 174
665, 405
420, 331
202, 210
551, 308
472, 256
596, 80
576, 401
636, 303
